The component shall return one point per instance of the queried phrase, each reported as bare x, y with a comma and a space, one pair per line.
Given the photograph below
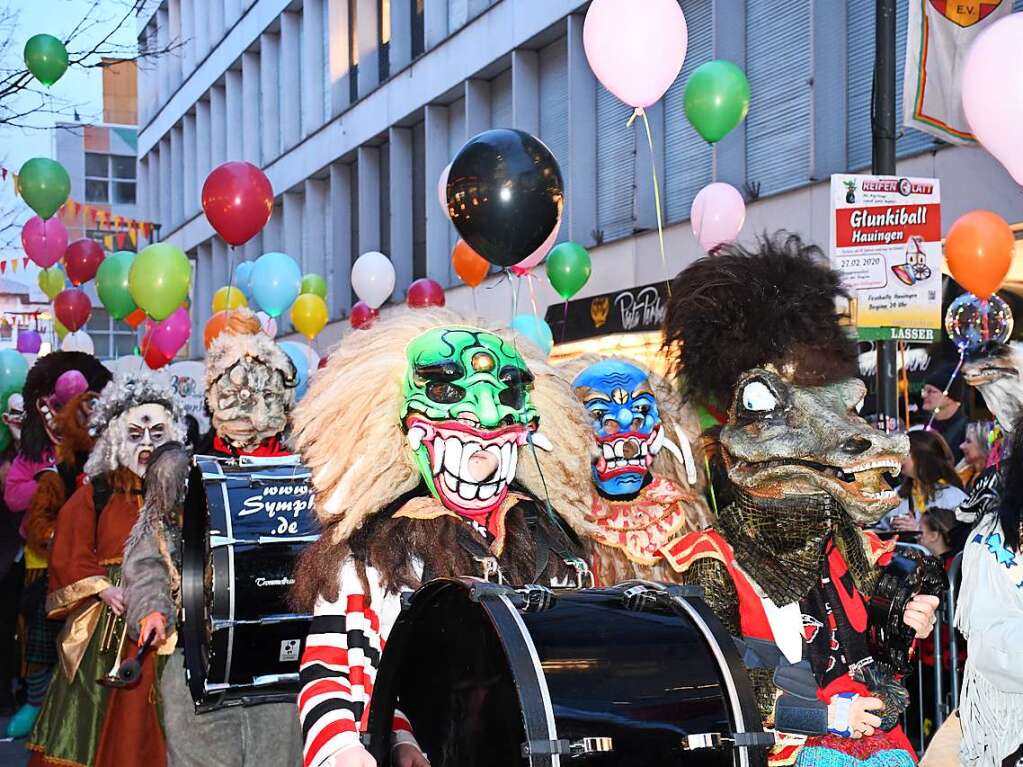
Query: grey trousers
267, 735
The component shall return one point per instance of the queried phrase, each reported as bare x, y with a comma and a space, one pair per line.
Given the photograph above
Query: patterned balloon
972, 322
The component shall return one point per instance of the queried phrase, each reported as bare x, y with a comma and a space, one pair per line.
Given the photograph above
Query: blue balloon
536, 330
301, 363
276, 281
243, 278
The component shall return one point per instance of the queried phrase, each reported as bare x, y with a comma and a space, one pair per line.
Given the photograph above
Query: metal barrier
941, 704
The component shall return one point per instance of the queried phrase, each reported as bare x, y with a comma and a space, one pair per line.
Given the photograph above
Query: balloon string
564, 324
962, 359
532, 294
515, 293
640, 112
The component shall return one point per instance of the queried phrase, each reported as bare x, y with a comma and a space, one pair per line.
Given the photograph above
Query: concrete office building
354, 107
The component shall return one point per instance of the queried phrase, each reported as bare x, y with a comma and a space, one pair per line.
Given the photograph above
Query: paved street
11, 754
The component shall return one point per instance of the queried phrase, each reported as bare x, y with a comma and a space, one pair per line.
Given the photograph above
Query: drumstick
131, 669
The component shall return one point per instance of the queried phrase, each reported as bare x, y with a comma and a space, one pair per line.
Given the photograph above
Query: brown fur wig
42, 377
741, 309
51, 492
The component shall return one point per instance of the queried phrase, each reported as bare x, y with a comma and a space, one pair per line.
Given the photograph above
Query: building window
109, 178
110, 337
419, 200
384, 39
418, 27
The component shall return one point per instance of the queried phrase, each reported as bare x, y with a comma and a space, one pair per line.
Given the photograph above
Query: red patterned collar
268, 448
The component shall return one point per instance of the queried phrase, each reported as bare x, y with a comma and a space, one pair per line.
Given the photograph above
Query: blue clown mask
626, 424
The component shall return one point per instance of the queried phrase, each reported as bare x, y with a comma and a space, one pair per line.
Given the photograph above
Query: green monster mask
467, 409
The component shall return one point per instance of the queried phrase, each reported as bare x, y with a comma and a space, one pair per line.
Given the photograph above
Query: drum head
195, 588
455, 677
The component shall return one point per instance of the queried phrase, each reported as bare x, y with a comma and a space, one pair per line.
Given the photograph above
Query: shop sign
634, 310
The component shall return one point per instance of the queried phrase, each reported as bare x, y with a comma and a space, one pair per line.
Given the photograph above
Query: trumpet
110, 643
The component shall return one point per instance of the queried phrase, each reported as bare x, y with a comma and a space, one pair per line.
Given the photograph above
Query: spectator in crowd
944, 409
929, 480
989, 613
975, 449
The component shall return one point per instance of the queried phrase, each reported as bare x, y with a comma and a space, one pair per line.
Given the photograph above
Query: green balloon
13, 369
44, 185
315, 284
112, 284
159, 280
568, 268
51, 281
716, 99
46, 58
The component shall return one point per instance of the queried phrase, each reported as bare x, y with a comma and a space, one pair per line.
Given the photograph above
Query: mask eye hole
758, 398
444, 393
514, 396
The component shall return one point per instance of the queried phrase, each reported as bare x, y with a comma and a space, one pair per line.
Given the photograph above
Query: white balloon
79, 341
373, 278
442, 189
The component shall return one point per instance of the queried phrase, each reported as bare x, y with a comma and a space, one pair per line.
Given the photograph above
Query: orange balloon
135, 319
469, 265
979, 249
214, 327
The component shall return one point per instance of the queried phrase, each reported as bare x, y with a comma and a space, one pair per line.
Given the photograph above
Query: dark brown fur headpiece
741, 309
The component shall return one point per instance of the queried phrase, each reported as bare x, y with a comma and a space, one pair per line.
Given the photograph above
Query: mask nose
624, 418
489, 414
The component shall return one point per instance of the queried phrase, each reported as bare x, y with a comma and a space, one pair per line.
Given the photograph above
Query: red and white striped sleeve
339, 666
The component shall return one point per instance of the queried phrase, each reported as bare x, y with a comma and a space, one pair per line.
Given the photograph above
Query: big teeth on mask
488, 491
687, 453
450, 482
510, 466
674, 449
643, 448
608, 451
506, 453
657, 442
620, 448
467, 491
415, 437
438, 456
469, 449
453, 455
541, 441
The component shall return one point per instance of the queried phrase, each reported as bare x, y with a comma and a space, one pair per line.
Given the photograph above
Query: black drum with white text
636, 674
246, 521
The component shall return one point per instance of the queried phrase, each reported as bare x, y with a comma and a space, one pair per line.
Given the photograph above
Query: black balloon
505, 194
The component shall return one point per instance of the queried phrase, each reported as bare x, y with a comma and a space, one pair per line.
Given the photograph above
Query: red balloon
425, 292
135, 319
151, 353
323, 363
73, 308
237, 199
363, 315
82, 259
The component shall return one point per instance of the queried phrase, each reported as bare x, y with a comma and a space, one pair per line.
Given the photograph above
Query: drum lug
534, 598
583, 574
569, 748
701, 740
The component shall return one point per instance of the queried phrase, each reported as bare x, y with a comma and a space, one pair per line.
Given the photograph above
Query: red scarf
271, 447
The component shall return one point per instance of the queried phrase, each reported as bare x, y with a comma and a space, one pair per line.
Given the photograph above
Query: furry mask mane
742, 309
349, 433
244, 337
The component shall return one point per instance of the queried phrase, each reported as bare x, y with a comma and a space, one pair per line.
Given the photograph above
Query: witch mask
140, 430
626, 424
466, 411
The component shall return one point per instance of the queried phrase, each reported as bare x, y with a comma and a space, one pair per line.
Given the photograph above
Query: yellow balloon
309, 314
59, 329
228, 298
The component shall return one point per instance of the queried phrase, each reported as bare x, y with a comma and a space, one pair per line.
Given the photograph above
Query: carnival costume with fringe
82, 722
787, 567
421, 436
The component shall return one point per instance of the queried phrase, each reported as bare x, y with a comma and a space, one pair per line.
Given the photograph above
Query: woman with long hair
930, 480
990, 615
976, 448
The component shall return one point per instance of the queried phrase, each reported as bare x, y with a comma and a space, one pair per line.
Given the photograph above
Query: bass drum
246, 521
638, 674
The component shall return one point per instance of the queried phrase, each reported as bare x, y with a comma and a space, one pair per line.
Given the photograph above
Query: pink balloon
717, 215
442, 188
635, 49
992, 87
170, 334
522, 267
44, 241
269, 323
